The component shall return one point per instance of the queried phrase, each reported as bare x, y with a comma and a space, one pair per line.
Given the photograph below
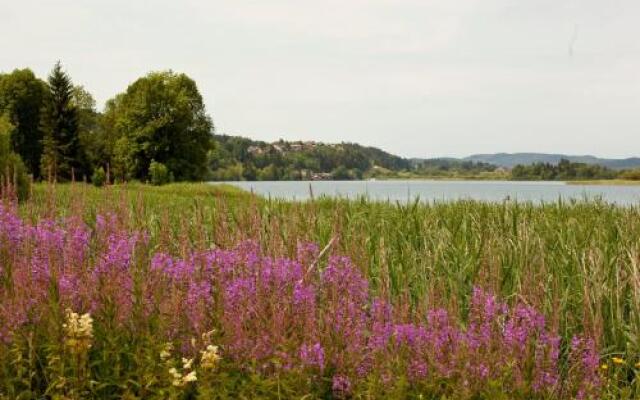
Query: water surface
433, 190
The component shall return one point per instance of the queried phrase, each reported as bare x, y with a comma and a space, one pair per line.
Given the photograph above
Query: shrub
14, 179
159, 173
632, 174
99, 177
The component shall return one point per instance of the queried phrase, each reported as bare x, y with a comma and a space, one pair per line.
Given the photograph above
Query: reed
574, 263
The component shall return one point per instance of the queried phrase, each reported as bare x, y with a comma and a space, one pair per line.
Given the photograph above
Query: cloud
418, 77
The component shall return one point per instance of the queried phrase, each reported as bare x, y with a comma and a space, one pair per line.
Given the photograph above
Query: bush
13, 173
159, 173
99, 177
632, 174
14, 176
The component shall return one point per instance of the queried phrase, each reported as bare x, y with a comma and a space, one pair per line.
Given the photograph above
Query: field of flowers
194, 292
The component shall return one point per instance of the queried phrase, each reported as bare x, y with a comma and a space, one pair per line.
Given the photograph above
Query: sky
419, 78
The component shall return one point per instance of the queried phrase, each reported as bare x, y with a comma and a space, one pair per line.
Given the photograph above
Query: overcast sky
415, 77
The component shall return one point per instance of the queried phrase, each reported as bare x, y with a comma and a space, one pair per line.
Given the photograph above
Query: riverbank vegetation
197, 291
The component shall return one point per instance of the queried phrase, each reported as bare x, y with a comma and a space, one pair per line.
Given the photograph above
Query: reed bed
564, 274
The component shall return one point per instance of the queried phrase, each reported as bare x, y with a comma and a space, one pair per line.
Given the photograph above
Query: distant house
296, 146
255, 150
320, 176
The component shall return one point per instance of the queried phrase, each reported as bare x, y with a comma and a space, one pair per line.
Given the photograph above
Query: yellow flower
78, 331
617, 360
190, 377
210, 357
165, 353
186, 363
179, 380
604, 367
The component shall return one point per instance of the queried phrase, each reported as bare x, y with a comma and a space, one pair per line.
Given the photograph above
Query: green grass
576, 261
605, 182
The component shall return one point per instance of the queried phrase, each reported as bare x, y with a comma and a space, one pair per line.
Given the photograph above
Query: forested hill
235, 157
510, 160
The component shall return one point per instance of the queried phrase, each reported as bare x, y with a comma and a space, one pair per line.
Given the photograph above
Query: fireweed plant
100, 311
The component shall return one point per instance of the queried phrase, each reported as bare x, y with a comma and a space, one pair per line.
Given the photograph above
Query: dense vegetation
194, 291
449, 167
55, 129
563, 171
237, 158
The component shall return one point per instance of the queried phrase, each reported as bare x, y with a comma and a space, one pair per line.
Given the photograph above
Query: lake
438, 190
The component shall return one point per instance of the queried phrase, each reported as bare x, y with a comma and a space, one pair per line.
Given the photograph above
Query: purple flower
341, 386
312, 356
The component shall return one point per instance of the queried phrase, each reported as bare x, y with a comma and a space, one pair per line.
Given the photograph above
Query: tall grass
575, 262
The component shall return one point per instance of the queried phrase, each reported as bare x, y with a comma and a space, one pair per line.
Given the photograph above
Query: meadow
191, 291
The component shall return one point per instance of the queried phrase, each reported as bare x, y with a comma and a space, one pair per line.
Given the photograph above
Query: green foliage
563, 171
576, 261
447, 167
159, 174
63, 156
342, 174
22, 98
236, 158
631, 174
99, 177
13, 173
160, 117
90, 130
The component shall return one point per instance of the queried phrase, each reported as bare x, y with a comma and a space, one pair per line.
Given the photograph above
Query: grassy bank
576, 263
623, 182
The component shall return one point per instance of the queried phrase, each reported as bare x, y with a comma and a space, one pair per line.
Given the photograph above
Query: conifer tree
62, 154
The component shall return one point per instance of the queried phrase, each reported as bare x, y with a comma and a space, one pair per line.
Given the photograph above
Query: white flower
180, 380
210, 357
78, 330
190, 377
165, 353
186, 363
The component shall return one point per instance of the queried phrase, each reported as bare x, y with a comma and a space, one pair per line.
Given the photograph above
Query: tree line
565, 170
52, 130
158, 131
239, 158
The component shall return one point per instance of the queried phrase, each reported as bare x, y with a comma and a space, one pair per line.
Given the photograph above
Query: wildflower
165, 353
210, 357
604, 367
617, 360
341, 386
186, 363
180, 380
190, 377
206, 337
312, 356
177, 377
78, 330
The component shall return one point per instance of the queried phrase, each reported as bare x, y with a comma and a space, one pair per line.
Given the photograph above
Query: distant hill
241, 158
236, 157
510, 160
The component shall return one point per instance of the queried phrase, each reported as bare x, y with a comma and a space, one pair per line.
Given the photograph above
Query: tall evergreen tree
62, 154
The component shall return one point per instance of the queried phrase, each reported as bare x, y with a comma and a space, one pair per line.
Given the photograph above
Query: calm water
429, 190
